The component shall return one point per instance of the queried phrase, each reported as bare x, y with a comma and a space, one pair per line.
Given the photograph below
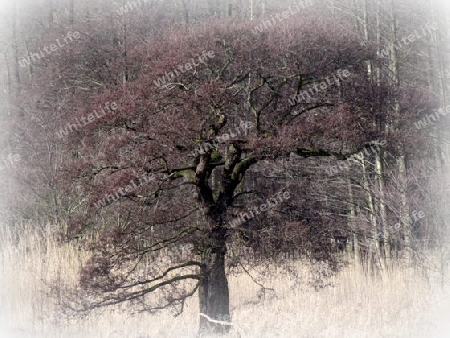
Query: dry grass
405, 305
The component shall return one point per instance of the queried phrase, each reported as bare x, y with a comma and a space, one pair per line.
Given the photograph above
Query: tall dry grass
405, 304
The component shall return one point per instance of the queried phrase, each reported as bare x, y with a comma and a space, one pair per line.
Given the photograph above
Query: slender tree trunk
379, 154
352, 225
380, 122
14, 81
378, 41
185, 12
375, 243
125, 52
382, 205
394, 52
404, 208
214, 7
15, 47
71, 14
50, 13
366, 36
401, 159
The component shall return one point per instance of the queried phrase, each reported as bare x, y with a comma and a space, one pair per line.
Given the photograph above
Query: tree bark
213, 292
352, 225
404, 209
382, 205
374, 247
401, 159
125, 52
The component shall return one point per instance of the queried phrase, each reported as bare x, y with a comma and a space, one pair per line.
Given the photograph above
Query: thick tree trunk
214, 298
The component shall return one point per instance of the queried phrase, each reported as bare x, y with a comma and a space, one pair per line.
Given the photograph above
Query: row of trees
352, 160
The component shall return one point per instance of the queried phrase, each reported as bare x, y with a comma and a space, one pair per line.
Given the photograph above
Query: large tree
172, 140
169, 167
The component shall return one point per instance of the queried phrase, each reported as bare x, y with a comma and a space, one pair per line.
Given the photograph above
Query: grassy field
406, 304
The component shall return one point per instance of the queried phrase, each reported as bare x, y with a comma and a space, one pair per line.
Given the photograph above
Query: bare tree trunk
125, 51
185, 12
379, 167
214, 293
378, 37
352, 226
50, 13
375, 243
15, 46
71, 13
366, 35
401, 159
404, 208
394, 52
379, 153
214, 7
